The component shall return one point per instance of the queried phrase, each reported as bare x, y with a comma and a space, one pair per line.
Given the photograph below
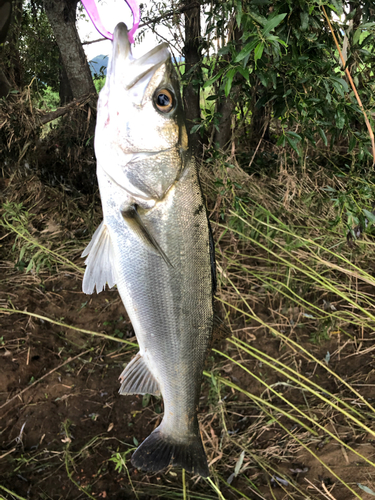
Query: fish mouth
129, 70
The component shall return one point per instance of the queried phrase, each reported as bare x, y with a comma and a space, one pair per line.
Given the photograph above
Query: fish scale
154, 243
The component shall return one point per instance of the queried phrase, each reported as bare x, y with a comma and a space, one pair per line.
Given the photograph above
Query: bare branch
48, 117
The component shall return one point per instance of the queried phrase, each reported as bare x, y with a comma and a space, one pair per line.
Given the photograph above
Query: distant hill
98, 65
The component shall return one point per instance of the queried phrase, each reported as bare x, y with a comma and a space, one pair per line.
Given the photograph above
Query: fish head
140, 109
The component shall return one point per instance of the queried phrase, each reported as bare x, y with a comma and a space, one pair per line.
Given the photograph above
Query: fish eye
164, 100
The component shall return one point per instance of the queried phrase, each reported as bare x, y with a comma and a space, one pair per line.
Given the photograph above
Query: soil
66, 433
62, 418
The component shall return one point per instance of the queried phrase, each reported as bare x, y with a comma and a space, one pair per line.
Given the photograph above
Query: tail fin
158, 451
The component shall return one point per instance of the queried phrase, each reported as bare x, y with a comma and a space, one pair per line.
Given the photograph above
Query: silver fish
155, 244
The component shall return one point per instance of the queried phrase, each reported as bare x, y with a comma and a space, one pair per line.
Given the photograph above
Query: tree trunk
5, 16
260, 124
191, 93
4, 84
12, 65
224, 134
62, 17
260, 119
226, 105
65, 92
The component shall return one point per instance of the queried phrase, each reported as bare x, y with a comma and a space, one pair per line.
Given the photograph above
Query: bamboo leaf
258, 52
246, 51
272, 23
229, 79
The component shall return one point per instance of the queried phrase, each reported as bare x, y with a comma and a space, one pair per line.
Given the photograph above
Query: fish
155, 243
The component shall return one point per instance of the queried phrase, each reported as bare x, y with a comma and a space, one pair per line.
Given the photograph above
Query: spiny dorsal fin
100, 262
135, 224
138, 379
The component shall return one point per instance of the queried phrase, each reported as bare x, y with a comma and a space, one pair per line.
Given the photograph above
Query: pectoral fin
136, 225
100, 262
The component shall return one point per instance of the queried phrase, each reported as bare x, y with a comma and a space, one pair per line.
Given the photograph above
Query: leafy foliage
32, 48
280, 56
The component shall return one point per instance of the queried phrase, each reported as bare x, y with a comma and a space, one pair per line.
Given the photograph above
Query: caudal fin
158, 451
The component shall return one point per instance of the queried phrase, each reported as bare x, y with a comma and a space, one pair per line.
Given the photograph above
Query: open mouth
126, 68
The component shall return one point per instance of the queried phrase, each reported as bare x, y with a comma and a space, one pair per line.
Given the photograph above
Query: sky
111, 12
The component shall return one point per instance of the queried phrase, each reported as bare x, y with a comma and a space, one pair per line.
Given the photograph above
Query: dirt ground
66, 433
62, 418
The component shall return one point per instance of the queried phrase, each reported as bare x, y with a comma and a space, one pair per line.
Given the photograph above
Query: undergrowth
285, 390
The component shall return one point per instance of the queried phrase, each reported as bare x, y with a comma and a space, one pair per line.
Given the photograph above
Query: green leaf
352, 143
246, 51
337, 7
367, 25
272, 23
22, 253
293, 142
259, 19
357, 35
229, 80
281, 42
304, 21
281, 141
333, 6
258, 52
30, 266
340, 119
195, 128
209, 82
244, 72
323, 136
341, 82
276, 40
263, 79
295, 135
145, 400
338, 88
239, 13
369, 215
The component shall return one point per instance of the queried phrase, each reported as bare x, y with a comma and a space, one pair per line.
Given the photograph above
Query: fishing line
93, 14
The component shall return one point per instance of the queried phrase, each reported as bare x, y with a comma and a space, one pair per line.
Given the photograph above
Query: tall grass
285, 274
316, 289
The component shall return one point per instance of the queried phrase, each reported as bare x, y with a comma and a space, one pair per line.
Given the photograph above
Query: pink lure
93, 13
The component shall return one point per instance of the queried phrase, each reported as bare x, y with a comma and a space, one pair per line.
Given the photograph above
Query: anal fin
100, 262
138, 379
135, 224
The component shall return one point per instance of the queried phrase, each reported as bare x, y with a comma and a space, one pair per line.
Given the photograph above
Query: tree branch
155, 20
52, 115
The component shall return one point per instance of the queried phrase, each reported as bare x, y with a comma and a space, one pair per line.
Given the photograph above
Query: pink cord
134, 7
93, 13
